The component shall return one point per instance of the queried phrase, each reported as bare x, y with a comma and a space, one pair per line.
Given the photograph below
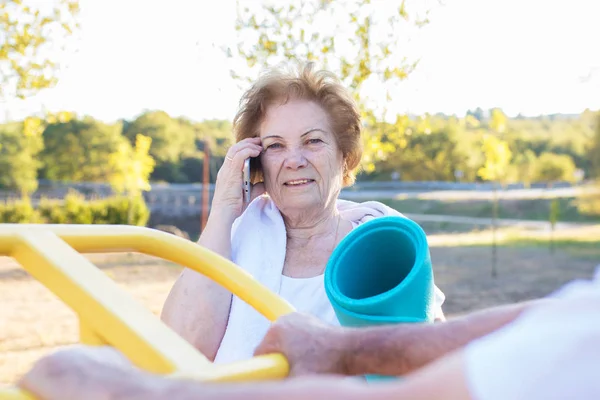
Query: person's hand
228, 196
310, 346
82, 372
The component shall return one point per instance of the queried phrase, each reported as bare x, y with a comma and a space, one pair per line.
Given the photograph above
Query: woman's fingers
245, 153
229, 188
250, 142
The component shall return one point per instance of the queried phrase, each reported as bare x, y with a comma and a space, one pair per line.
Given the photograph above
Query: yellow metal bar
110, 316
119, 238
107, 310
88, 336
15, 394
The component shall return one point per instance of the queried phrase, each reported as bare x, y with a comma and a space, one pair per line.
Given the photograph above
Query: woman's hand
228, 197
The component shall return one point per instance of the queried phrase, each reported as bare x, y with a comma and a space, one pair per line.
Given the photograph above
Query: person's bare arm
73, 375
398, 350
198, 308
313, 347
442, 381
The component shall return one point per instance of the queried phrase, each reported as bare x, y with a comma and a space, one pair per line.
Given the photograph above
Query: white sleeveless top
306, 294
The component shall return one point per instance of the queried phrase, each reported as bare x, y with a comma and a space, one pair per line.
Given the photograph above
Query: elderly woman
303, 134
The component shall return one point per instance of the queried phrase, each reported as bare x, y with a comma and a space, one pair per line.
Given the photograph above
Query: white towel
258, 245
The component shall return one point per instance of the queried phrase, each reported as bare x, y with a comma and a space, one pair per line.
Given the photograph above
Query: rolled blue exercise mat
381, 273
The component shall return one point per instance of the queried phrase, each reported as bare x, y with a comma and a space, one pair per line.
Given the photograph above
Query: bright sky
525, 56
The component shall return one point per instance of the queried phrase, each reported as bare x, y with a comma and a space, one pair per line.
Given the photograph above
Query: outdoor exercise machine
52, 254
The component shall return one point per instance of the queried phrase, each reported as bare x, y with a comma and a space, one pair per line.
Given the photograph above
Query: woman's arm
197, 308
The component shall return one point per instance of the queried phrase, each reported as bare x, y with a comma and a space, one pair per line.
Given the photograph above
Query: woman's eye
312, 141
273, 146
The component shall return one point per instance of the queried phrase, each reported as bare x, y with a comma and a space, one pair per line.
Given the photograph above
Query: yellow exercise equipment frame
110, 316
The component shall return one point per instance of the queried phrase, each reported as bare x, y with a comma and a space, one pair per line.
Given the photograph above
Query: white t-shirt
551, 351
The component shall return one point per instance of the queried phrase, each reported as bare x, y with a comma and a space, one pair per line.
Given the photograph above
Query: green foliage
76, 210
362, 44
132, 167
30, 37
73, 210
18, 213
429, 156
523, 167
456, 145
498, 121
589, 204
497, 159
554, 167
171, 138
19, 156
132, 211
218, 134
594, 150
425, 147
80, 150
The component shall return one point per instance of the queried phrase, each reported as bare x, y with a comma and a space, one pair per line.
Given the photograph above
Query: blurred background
481, 123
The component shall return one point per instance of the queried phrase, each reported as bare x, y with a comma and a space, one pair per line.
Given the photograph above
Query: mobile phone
246, 181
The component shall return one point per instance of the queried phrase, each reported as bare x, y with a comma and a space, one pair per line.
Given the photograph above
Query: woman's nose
295, 159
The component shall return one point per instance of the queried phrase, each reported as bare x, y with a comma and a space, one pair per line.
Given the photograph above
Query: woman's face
301, 161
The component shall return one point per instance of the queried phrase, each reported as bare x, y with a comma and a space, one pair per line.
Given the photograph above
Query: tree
478, 114
131, 167
219, 135
589, 204
171, 139
20, 144
497, 159
79, 150
30, 34
594, 150
498, 120
357, 40
524, 167
552, 167
429, 155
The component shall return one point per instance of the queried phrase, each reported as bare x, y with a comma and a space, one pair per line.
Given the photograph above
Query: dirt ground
33, 321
